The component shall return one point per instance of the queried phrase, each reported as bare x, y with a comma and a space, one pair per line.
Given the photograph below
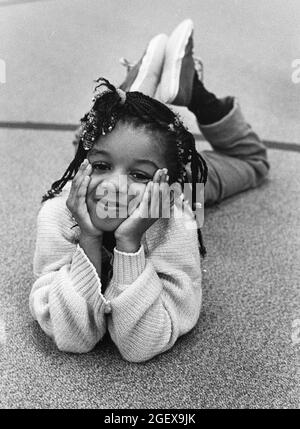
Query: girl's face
123, 161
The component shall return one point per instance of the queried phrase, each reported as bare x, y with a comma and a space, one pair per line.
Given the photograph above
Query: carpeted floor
243, 353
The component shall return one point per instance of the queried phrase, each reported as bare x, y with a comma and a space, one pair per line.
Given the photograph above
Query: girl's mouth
108, 207
111, 204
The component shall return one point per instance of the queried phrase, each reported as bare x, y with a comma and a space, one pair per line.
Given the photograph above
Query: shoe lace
126, 63
199, 68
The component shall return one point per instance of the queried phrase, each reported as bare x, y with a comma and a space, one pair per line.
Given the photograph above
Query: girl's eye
140, 176
103, 166
100, 166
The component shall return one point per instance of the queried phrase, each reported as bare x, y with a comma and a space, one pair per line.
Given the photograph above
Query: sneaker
144, 76
177, 78
199, 68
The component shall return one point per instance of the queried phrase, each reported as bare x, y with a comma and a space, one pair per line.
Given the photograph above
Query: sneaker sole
156, 48
175, 51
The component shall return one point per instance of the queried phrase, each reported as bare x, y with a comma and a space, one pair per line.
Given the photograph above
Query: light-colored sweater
153, 297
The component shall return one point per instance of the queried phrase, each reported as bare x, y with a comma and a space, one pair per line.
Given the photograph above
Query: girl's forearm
92, 247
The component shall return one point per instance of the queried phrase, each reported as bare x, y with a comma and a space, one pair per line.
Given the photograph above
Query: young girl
137, 275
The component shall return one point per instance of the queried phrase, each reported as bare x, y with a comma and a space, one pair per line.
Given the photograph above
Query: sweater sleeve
66, 297
155, 298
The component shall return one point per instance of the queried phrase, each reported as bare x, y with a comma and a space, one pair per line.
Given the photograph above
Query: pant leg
238, 160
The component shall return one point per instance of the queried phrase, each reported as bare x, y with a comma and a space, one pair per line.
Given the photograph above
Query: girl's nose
115, 183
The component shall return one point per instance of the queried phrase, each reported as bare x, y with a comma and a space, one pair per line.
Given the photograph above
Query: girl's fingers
82, 189
79, 185
163, 175
84, 168
80, 172
156, 199
156, 176
85, 179
81, 168
155, 196
159, 194
145, 203
172, 199
167, 196
159, 175
75, 187
81, 197
165, 200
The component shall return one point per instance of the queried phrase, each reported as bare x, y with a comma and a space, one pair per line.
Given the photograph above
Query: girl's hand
129, 234
76, 201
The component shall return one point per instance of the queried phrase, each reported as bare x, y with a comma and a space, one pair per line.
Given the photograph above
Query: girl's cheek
136, 191
95, 186
137, 188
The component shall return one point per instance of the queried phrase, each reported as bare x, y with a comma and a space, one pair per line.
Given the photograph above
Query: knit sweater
153, 297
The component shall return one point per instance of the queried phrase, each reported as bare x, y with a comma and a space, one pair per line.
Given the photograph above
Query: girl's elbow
134, 356
75, 348
71, 342
143, 352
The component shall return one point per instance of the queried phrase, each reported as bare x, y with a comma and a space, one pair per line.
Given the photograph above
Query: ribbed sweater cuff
127, 267
84, 276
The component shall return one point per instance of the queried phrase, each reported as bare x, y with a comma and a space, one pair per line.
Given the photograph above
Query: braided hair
138, 110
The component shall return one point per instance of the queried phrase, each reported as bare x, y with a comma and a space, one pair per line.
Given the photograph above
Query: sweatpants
238, 160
